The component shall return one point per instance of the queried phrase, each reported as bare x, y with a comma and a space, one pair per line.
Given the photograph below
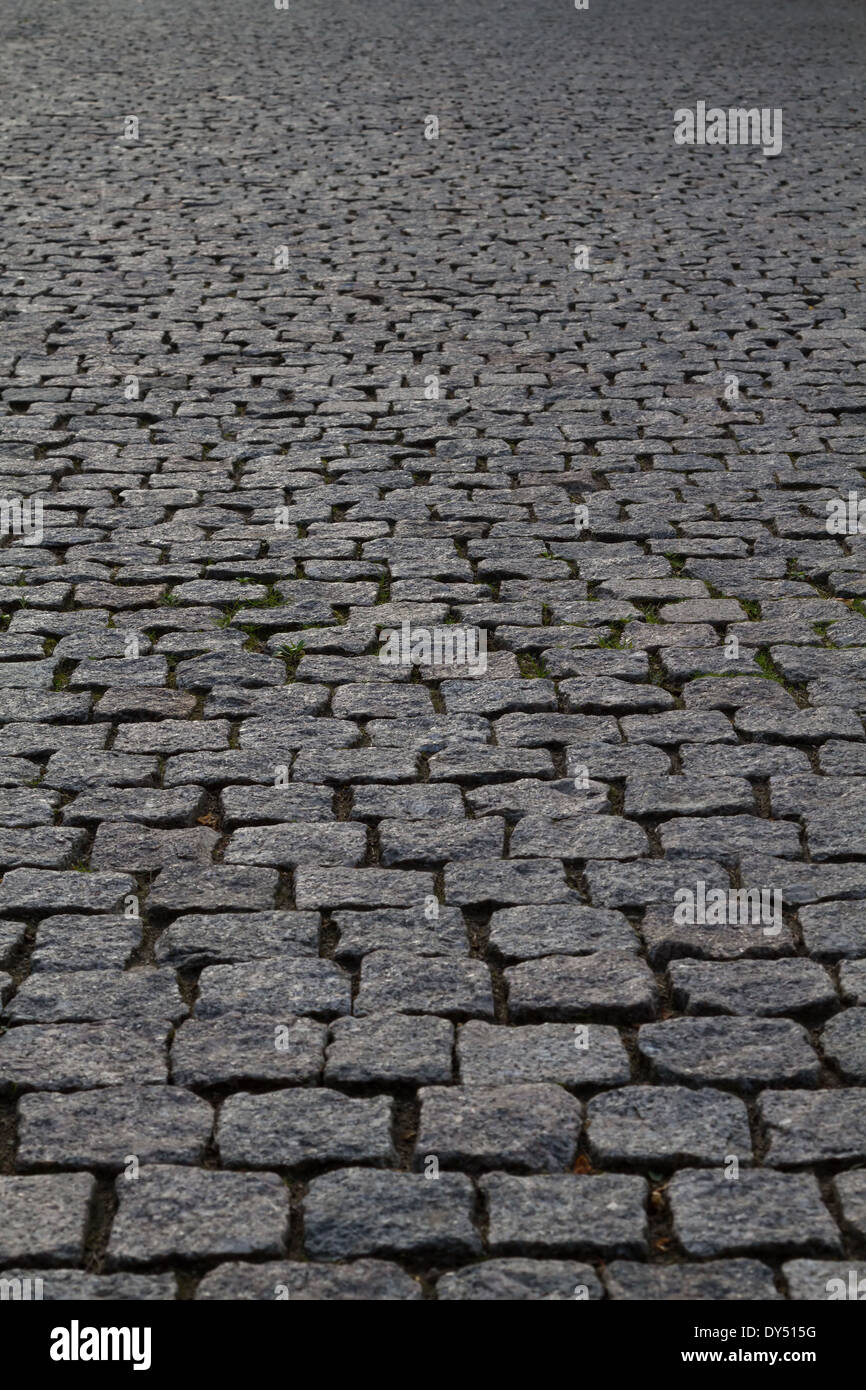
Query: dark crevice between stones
100, 1216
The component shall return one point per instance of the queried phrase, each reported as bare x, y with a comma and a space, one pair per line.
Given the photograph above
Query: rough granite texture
327, 337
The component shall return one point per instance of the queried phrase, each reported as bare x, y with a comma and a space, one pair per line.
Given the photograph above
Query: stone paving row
328, 978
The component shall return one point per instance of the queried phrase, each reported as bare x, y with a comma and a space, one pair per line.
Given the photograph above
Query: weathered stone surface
786, 986
808, 1127
74, 1286
521, 933
774, 1213
667, 1126
151, 806
216, 888
479, 881
517, 1280
412, 604
368, 1280
182, 1214
607, 983
843, 1043
359, 1211
389, 1050
42, 1218
73, 1056
825, 1280
834, 930
296, 1128
336, 888
715, 1281
525, 1128
101, 1129
288, 845
851, 1193
80, 942
397, 982
69, 996
275, 986
199, 939
247, 1047
742, 1052
431, 931
140, 849
564, 1214
583, 1055
41, 890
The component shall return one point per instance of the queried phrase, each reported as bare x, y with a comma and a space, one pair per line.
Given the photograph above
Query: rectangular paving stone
285, 846
308, 1281
141, 849
524, 1128
834, 930
222, 938
324, 888
731, 837
678, 726
281, 985
89, 771
667, 1126
516, 1280
613, 884
809, 1127
397, 982
715, 1281
762, 1212
596, 837
478, 881
90, 995
850, 1189
43, 1218
353, 765
530, 796
299, 1127
843, 1042
79, 942
178, 806
211, 888
521, 933
431, 930
255, 766
423, 802
668, 940
177, 1214
45, 890
609, 984
44, 847
789, 985
247, 1047
297, 801
800, 884
438, 841
744, 1052
583, 1055
361, 1211
692, 795
102, 1128
73, 1056
479, 764
567, 1214
389, 1050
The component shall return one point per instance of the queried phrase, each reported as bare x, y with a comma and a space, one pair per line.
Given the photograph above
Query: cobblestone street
433, 663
